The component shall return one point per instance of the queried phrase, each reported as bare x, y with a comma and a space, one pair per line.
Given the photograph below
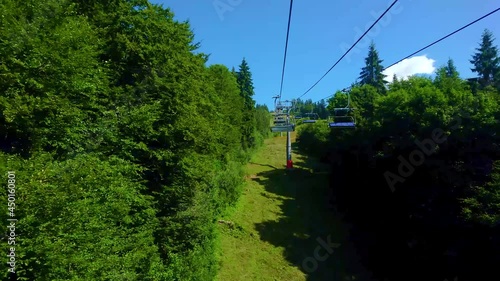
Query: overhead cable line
437, 41
286, 46
433, 43
368, 30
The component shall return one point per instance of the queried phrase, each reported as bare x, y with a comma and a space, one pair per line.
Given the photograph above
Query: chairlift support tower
282, 123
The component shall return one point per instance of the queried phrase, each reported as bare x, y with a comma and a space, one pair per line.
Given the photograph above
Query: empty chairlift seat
281, 129
347, 123
341, 119
310, 118
282, 121
281, 124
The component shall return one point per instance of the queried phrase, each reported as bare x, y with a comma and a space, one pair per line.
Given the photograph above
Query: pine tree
372, 74
245, 84
396, 83
448, 79
322, 112
486, 60
447, 72
451, 70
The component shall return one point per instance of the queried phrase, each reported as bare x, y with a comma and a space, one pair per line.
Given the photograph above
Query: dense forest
419, 177
126, 146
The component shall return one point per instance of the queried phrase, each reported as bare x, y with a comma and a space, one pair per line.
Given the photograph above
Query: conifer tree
245, 84
486, 60
372, 74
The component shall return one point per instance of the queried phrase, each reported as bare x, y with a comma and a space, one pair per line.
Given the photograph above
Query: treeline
126, 146
302, 107
418, 178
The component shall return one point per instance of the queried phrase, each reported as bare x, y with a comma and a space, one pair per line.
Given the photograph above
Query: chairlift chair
341, 118
281, 122
343, 122
312, 118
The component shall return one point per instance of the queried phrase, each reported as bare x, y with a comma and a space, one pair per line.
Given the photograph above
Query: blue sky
322, 30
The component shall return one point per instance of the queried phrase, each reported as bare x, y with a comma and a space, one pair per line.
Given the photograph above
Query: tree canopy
126, 145
423, 160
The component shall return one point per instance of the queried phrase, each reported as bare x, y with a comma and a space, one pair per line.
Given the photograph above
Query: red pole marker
289, 164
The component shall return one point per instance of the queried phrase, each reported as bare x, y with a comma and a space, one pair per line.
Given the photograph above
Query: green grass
278, 219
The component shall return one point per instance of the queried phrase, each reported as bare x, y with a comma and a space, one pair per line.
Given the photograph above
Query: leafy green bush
483, 205
82, 219
313, 138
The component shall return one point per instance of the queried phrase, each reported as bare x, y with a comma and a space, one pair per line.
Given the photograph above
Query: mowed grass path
273, 232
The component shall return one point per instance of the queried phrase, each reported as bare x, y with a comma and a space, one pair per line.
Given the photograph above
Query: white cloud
411, 66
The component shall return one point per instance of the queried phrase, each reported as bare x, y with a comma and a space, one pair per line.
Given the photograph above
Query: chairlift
341, 117
282, 121
311, 117
343, 122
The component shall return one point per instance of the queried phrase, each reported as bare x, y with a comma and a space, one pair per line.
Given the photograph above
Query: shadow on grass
263, 165
306, 227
